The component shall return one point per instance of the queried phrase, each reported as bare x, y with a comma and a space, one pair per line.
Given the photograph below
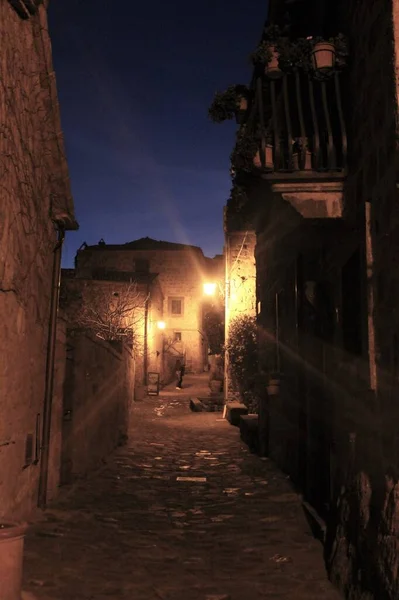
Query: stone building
240, 283
174, 275
119, 305
316, 154
35, 210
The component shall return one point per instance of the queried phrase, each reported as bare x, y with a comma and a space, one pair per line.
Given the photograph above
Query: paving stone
133, 531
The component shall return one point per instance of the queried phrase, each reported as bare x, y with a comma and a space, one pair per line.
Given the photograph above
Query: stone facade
98, 395
34, 199
181, 272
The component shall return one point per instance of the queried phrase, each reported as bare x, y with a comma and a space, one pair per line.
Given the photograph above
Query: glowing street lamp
161, 324
209, 289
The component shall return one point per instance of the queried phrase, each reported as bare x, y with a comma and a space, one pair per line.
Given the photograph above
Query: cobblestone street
139, 530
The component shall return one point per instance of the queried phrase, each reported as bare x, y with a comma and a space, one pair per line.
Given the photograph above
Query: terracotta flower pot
11, 554
308, 161
269, 164
323, 56
273, 387
241, 110
243, 103
272, 69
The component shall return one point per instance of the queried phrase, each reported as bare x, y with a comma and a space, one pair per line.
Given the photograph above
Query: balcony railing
299, 122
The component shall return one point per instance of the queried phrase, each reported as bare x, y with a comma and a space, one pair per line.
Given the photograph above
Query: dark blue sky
135, 80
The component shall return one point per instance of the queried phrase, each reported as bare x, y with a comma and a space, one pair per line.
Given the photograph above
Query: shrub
243, 359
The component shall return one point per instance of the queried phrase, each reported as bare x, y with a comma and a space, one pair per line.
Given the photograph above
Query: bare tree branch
111, 313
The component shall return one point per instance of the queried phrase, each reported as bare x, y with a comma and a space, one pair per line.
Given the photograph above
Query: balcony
298, 123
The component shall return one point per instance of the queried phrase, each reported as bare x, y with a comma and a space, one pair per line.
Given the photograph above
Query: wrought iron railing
299, 123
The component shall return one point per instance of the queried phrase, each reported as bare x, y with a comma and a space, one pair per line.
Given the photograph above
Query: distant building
172, 276
35, 210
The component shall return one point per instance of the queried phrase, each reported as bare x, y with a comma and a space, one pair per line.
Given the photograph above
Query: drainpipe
50, 359
146, 311
228, 270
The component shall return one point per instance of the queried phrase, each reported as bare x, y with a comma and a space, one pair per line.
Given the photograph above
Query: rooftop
145, 243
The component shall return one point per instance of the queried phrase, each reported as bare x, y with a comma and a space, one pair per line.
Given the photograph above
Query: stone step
196, 405
249, 431
234, 410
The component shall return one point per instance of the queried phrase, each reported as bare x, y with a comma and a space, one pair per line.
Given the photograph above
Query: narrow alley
140, 529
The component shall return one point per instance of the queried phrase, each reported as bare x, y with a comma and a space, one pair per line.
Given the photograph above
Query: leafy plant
273, 39
296, 54
238, 198
299, 144
226, 104
243, 358
341, 49
263, 54
214, 328
247, 145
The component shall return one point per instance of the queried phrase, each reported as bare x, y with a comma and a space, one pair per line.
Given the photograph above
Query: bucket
11, 557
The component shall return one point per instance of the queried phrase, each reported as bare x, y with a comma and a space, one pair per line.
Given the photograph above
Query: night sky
135, 80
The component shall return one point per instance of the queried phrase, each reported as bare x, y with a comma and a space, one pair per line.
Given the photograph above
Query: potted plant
268, 52
302, 157
327, 54
233, 102
11, 559
216, 373
323, 55
273, 385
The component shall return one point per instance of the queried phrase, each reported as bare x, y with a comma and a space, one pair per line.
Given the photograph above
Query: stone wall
33, 180
363, 548
54, 468
240, 298
99, 390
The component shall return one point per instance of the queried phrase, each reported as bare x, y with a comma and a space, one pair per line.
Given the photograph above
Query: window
142, 265
176, 306
177, 336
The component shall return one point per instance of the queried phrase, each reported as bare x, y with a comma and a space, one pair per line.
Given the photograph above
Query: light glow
161, 324
209, 289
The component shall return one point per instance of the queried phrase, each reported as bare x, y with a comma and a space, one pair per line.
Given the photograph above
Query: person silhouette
180, 370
